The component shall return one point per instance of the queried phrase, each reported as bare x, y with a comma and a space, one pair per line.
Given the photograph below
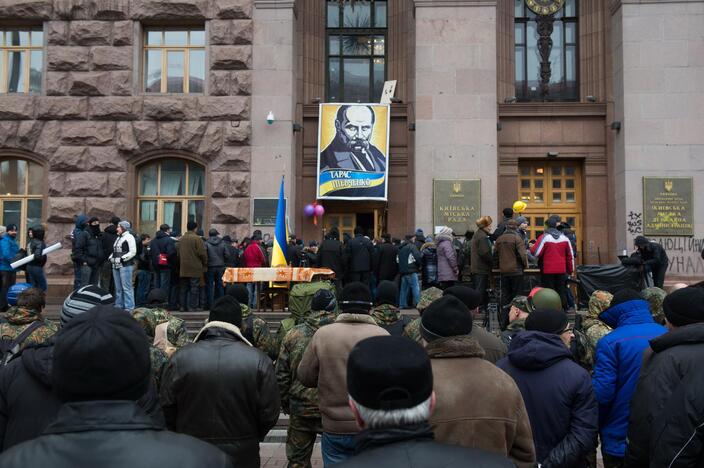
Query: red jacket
253, 256
555, 253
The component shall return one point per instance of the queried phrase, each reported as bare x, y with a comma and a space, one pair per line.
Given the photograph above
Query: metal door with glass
551, 188
344, 222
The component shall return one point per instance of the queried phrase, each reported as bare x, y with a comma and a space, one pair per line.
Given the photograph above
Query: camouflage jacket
655, 296
593, 328
513, 329
19, 318
177, 334
412, 331
385, 314
296, 399
259, 334
158, 359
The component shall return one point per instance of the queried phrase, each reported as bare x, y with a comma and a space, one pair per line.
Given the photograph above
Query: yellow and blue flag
279, 253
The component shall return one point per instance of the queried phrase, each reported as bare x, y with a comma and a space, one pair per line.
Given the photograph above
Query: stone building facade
627, 105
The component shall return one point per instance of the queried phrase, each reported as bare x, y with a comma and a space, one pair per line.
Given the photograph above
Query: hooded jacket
511, 252
19, 319
494, 418
554, 252
216, 250
448, 269
79, 241
37, 246
223, 391
324, 365
558, 396
617, 365
409, 259
593, 328
430, 263
669, 360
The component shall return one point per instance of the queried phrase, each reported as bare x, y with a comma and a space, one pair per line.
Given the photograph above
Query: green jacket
256, 330
385, 314
192, 257
296, 399
412, 331
19, 318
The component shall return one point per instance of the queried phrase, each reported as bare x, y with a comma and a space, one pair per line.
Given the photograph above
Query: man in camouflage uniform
255, 329
593, 328
301, 402
386, 313
655, 296
427, 297
517, 315
28, 310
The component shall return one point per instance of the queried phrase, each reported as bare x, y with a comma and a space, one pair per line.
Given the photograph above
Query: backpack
163, 259
301, 296
9, 348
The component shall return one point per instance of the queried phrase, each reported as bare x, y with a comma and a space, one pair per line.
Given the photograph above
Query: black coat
409, 259
559, 398
331, 255
163, 243
360, 251
108, 239
27, 403
222, 391
387, 268
672, 359
414, 447
88, 248
109, 434
217, 251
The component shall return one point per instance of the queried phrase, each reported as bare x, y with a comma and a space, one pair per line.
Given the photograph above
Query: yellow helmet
519, 206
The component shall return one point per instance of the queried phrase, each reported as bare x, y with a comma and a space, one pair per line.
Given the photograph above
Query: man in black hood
35, 269
108, 239
654, 258
163, 253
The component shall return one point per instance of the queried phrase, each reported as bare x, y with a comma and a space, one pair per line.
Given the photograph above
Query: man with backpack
386, 312
25, 324
409, 259
163, 253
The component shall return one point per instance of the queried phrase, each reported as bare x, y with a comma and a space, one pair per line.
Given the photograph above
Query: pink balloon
319, 210
309, 210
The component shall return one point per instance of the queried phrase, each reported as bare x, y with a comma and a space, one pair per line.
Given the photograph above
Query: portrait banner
353, 151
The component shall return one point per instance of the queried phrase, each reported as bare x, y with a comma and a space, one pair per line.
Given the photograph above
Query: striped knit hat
84, 299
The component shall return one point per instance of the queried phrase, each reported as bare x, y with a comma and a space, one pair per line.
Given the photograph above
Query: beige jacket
478, 404
324, 365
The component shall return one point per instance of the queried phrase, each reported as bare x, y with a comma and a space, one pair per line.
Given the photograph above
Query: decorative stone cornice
453, 3
274, 4
614, 5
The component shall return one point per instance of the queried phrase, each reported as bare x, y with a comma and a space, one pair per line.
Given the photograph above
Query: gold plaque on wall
545, 7
456, 203
668, 206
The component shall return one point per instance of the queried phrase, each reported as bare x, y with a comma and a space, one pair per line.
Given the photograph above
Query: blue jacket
617, 366
8, 250
558, 395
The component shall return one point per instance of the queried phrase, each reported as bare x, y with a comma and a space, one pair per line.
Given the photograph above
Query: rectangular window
174, 60
356, 50
563, 58
21, 60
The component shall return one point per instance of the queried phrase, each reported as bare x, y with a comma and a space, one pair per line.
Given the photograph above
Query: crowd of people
119, 382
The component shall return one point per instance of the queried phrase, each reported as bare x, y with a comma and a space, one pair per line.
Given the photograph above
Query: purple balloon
309, 210
319, 210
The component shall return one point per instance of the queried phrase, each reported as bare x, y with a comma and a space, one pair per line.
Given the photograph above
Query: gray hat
125, 225
521, 219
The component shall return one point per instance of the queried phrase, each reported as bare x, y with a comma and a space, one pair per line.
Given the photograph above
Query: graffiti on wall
684, 252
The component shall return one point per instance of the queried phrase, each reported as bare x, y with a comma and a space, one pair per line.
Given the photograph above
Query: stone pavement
274, 454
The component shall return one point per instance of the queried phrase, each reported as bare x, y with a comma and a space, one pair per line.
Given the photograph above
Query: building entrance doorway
371, 221
551, 188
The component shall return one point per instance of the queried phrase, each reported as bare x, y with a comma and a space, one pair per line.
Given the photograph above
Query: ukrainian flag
279, 253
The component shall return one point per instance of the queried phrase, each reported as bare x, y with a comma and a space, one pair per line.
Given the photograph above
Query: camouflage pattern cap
520, 302
427, 297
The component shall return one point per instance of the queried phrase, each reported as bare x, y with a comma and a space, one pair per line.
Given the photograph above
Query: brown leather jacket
324, 365
511, 252
478, 404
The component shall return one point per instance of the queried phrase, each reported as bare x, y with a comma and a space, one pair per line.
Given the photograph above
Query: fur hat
484, 222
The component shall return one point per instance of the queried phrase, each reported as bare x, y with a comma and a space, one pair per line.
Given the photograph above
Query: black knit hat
552, 221
323, 299
625, 295
102, 354
356, 298
226, 309
157, 297
469, 297
239, 292
387, 293
389, 373
640, 241
547, 321
447, 316
684, 306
